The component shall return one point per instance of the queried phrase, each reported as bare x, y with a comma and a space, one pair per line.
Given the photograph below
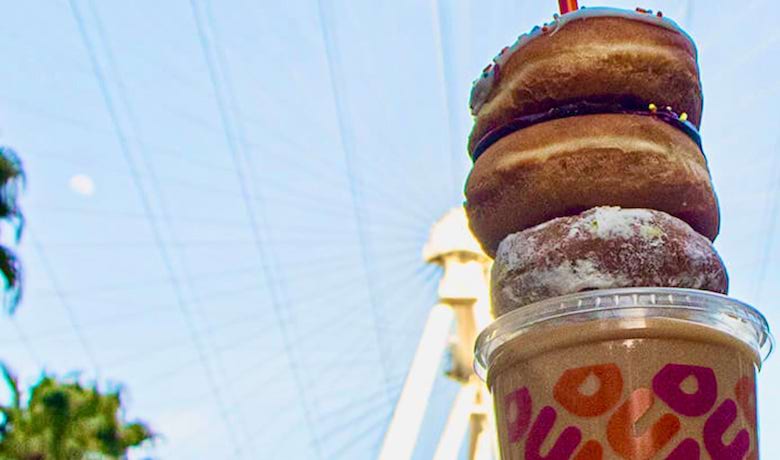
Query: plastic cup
637, 373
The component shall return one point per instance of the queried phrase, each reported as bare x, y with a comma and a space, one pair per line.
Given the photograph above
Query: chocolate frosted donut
603, 248
562, 167
599, 55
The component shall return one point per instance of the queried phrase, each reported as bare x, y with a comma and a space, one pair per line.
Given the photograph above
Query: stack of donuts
588, 165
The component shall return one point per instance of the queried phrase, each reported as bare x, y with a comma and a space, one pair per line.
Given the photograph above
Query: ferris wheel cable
741, 61
91, 129
397, 250
92, 163
146, 203
398, 232
179, 77
746, 10
350, 404
291, 425
300, 141
335, 228
168, 373
416, 209
84, 212
187, 159
442, 67
283, 402
423, 210
333, 238
313, 334
154, 352
352, 350
735, 137
236, 145
353, 358
348, 421
353, 345
58, 333
26, 343
333, 210
221, 293
163, 306
254, 391
338, 355
174, 82
363, 417
393, 248
773, 212
284, 184
145, 355
404, 329
307, 198
413, 191
308, 335
43, 112
125, 244
750, 213
349, 283
346, 141
64, 301
369, 402
299, 268
276, 101
351, 442
213, 190
689, 12
182, 78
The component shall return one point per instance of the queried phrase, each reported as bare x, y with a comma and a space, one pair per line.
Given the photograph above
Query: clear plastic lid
716, 311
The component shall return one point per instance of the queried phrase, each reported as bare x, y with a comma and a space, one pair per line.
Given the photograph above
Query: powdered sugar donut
603, 248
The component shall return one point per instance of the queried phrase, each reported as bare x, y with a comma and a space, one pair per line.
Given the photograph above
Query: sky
227, 201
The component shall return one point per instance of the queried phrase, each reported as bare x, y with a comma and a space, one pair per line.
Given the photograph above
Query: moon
82, 184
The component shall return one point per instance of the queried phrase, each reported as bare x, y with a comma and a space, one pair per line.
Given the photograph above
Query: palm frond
11, 272
12, 181
134, 434
13, 385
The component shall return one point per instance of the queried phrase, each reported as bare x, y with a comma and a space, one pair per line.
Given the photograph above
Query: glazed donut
601, 55
565, 166
603, 248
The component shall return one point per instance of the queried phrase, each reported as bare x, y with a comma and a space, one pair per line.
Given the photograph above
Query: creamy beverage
630, 373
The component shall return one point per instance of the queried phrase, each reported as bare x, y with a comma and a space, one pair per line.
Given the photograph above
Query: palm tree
60, 421
11, 182
65, 421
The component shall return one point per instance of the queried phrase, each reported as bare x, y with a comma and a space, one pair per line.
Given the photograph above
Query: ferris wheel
463, 301
231, 211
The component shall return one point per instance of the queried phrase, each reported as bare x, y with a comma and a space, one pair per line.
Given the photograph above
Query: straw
567, 6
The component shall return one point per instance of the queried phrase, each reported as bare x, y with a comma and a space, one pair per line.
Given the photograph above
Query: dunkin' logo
667, 386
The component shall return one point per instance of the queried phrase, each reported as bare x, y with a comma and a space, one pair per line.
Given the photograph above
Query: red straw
567, 6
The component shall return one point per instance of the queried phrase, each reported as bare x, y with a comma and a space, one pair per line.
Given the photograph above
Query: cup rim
717, 311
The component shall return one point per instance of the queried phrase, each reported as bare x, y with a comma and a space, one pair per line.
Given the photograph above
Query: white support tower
464, 300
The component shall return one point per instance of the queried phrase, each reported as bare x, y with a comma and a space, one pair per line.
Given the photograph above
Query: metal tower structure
463, 300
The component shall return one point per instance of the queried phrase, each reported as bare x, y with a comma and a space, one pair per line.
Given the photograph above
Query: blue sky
248, 264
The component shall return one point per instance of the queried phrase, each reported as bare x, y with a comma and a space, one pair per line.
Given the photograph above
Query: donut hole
690, 385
